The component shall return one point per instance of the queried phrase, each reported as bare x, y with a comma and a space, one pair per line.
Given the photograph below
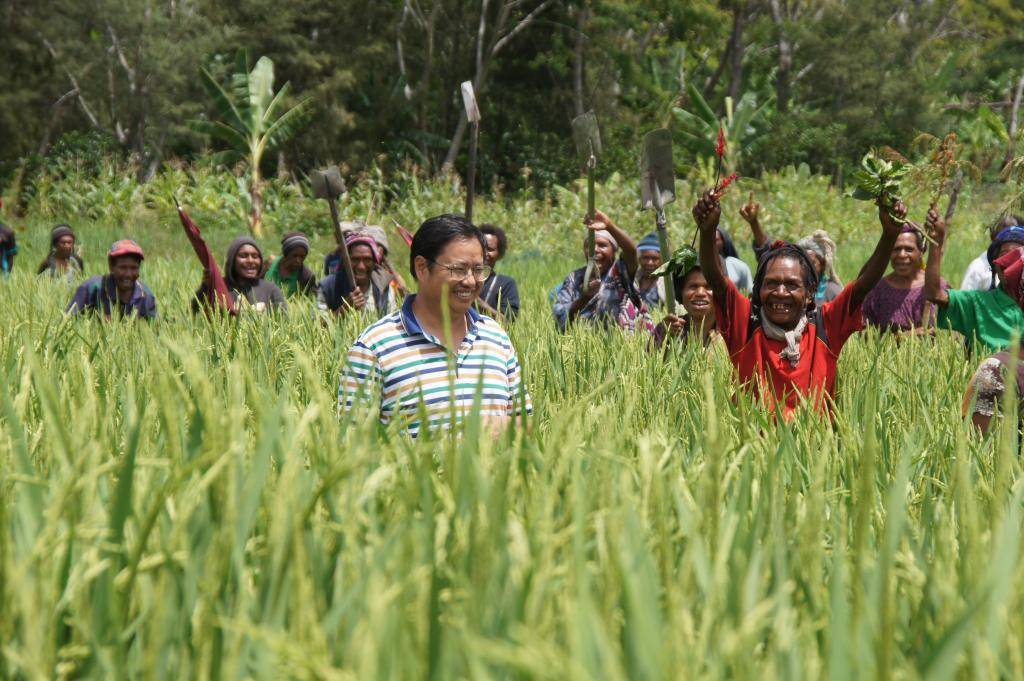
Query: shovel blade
328, 183
657, 171
587, 137
469, 102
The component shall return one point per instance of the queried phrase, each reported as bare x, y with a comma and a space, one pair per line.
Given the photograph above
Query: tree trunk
1011, 147
579, 74
484, 56
256, 194
738, 48
783, 81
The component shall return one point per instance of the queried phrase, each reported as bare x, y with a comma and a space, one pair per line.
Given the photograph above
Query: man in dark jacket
499, 296
374, 289
119, 291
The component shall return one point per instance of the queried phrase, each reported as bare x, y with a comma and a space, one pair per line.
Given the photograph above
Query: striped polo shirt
414, 375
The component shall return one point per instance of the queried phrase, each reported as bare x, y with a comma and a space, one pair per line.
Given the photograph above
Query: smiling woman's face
248, 262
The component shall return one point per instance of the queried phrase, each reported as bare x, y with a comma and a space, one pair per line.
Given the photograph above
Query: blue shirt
99, 294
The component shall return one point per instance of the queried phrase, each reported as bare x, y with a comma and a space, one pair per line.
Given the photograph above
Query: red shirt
756, 357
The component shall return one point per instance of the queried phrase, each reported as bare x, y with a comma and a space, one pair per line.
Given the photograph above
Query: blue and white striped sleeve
518, 396
360, 379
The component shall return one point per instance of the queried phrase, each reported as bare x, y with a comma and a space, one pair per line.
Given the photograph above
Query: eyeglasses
459, 272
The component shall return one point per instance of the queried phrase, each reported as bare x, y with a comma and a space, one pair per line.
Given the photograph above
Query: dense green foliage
180, 500
829, 79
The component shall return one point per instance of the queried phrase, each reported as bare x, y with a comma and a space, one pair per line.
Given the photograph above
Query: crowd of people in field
442, 350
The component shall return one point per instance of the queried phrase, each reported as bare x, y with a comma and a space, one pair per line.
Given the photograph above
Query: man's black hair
782, 249
498, 234
436, 233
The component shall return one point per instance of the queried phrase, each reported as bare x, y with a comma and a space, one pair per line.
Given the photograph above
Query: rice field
180, 500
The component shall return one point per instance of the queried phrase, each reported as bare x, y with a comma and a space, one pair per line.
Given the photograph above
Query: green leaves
681, 262
879, 178
252, 117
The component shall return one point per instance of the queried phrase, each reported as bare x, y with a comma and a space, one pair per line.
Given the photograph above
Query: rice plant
181, 500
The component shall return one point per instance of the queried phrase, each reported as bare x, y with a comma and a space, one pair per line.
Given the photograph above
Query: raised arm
749, 212
933, 290
629, 255
875, 267
706, 213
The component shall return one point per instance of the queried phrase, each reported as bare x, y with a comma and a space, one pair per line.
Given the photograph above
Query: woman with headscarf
650, 287
978, 276
609, 298
993, 316
289, 271
694, 293
373, 290
242, 274
62, 262
783, 346
985, 391
819, 248
898, 302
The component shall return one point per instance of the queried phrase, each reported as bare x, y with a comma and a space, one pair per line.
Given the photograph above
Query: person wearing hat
609, 298
118, 291
243, 270
650, 287
332, 261
289, 271
979, 276
8, 249
62, 262
991, 317
499, 295
380, 236
373, 288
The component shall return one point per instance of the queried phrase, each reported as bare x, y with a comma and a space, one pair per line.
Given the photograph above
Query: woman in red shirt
783, 347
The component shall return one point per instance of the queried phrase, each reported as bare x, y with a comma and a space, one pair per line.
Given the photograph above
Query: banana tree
742, 125
252, 120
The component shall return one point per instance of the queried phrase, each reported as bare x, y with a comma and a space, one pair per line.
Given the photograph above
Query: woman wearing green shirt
289, 271
993, 317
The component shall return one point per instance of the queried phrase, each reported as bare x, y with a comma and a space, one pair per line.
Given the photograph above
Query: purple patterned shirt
898, 309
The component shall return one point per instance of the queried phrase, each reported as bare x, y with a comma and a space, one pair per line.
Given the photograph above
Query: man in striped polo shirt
423, 372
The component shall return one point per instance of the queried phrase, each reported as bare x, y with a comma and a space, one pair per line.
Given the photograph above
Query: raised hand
707, 212
935, 225
750, 210
600, 220
894, 218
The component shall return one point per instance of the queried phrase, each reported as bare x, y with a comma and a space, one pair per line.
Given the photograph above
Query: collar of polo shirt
412, 325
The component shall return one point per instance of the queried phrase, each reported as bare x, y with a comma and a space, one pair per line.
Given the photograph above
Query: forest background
810, 82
